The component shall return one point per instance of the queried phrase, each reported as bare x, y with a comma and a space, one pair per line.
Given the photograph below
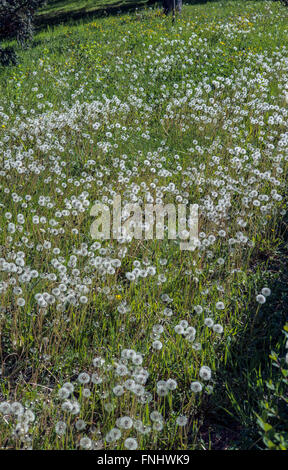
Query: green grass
61, 8
64, 6
250, 402
191, 103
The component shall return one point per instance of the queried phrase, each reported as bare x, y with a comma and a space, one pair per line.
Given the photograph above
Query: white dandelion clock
196, 387
205, 373
182, 420
85, 443
266, 291
261, 299
60, 428
130, 443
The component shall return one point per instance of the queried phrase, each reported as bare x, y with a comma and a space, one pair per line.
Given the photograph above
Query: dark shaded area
16, 22
116, 8
172, 5
8, 56
16, 19
228, 416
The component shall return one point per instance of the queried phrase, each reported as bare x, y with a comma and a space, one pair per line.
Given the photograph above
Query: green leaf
265, 426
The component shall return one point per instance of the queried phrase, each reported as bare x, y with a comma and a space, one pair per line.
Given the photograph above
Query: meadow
139, 345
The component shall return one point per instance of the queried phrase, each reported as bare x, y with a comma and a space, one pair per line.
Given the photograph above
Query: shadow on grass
122, 6
228, 415
55, 18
